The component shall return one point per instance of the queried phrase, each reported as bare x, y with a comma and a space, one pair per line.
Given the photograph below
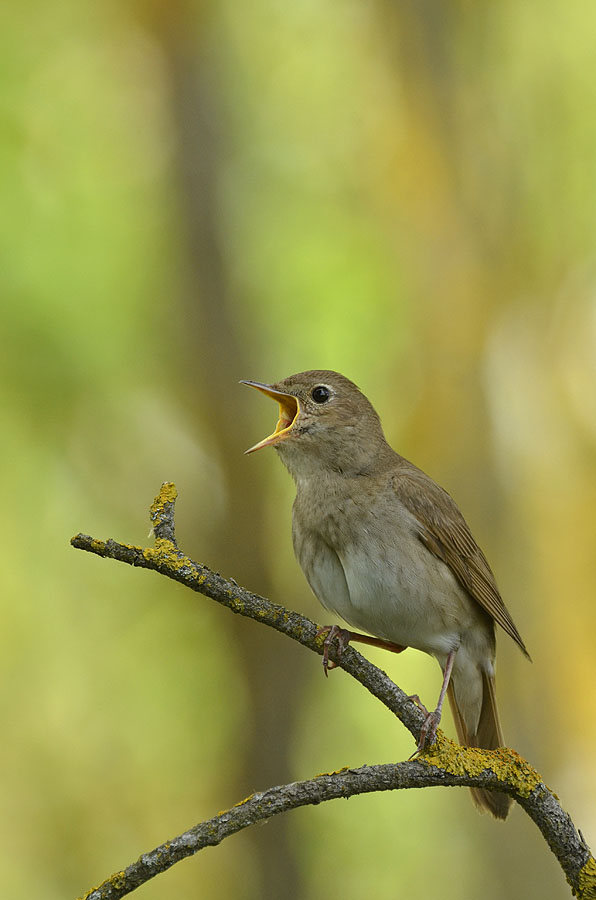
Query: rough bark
444, 763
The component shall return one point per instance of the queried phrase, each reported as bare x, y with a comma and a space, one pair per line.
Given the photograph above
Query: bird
386, 549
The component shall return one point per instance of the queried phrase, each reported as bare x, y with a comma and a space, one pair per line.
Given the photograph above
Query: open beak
289, 408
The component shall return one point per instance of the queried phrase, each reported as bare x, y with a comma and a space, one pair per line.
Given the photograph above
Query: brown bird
386, 548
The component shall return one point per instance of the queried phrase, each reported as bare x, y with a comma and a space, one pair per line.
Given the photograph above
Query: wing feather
444, 531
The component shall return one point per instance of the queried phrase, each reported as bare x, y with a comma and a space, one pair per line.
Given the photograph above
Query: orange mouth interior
289, 409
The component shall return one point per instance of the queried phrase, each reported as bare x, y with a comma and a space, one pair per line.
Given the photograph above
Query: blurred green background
197, 193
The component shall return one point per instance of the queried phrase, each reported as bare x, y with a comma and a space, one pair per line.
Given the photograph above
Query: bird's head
324, 422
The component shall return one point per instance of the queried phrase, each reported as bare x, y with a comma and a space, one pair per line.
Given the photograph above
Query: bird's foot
428, 732
343, 639
333, 632
416, 699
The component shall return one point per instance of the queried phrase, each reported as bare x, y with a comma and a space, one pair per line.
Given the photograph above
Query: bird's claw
343, 639
428, 732
416, 699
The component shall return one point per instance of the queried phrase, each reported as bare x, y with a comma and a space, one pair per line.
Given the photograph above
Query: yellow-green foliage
401, 191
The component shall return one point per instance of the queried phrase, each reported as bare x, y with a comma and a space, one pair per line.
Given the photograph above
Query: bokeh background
194, 193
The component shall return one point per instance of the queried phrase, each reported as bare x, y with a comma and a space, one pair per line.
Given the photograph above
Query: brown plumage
445, 533
386, 548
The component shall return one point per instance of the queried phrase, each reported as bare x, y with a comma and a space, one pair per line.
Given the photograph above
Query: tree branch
445, 763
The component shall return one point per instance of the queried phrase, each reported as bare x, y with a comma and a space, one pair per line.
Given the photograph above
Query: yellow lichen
506, 764
165, 553
167, 494
117, 880
336, 772
587, 881
236, 805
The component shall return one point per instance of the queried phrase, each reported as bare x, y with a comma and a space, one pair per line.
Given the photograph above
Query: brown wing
444, 531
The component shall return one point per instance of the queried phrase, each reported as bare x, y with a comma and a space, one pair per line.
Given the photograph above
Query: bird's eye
320, 393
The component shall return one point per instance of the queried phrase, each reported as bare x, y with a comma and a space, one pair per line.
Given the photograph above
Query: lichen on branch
444, 763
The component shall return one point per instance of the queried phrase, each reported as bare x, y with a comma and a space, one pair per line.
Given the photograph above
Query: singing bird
384, 547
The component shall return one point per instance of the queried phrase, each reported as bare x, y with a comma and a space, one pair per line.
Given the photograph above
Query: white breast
389, 584
379, 577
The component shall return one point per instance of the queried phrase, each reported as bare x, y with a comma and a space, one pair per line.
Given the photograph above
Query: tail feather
488, 736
